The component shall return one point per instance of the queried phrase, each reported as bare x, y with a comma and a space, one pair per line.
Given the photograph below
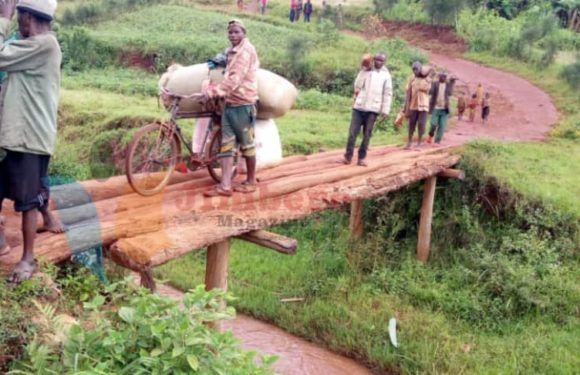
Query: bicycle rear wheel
214, 166
151, 158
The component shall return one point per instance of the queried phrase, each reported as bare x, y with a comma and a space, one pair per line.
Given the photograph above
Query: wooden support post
276, 242
216, 268
424, 243
216, 271
147, 280
453, 173
356, 219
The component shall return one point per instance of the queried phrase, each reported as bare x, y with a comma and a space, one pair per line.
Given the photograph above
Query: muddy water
296, 356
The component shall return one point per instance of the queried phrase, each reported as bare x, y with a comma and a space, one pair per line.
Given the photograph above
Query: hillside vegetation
501, 291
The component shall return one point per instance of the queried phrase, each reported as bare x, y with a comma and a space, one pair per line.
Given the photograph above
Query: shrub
143, 333
571, 74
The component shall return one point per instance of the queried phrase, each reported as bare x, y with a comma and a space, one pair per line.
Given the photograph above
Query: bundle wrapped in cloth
276, 94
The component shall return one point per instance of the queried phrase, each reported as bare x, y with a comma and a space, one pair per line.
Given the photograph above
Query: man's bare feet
51, 223
23, 271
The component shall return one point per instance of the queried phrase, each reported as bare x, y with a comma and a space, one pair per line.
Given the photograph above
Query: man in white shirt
375, 93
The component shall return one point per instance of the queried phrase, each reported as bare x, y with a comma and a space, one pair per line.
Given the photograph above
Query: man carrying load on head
239, 89
374, 92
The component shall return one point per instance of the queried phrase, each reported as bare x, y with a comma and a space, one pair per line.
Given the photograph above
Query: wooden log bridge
140, 233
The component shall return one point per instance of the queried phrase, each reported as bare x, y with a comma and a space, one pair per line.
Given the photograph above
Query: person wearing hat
239, 89
417, 101
440, 93
29, 103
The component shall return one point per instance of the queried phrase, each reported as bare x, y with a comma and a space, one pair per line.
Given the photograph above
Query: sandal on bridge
218, 191
244, 187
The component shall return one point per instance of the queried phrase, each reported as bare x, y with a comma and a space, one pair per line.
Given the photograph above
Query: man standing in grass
240, 91
307, 10
375, 92
441, 92
29, 105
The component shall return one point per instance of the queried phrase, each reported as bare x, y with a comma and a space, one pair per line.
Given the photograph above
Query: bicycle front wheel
151, 158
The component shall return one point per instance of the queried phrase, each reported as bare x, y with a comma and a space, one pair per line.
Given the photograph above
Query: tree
383, 5
443, 11
568, 11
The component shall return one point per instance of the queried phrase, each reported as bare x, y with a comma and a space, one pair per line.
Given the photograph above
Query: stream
296, 356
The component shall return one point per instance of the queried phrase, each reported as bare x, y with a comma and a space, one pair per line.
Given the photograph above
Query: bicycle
156, 149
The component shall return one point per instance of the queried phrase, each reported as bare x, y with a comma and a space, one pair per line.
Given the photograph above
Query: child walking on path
461, 106
485, 108
472, 105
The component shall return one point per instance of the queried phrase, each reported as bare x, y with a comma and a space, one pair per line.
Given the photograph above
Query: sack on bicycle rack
276, 94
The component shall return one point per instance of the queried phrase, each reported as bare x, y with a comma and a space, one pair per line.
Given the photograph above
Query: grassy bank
500, 295
544, 171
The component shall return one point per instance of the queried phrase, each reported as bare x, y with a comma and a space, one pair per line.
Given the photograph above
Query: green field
501, 291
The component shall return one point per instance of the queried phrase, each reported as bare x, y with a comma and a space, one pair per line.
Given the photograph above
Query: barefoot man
28, 119
240, 91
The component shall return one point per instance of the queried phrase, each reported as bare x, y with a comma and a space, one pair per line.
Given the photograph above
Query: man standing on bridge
28, 116
375, 92
441, 91
240, 91
417, 102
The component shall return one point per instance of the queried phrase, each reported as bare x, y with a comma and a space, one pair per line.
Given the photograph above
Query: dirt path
520, 111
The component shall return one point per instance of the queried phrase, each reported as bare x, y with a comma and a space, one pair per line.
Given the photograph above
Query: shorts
485, 113
23, 179
238, 130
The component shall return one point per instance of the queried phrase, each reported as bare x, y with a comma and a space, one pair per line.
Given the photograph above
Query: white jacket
376, 91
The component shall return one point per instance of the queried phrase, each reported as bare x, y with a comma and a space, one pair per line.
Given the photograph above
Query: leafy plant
144, 333
571, 74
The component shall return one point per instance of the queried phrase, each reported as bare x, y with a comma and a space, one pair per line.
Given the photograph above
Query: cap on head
443, 73
44, 9
237, 22
416, 66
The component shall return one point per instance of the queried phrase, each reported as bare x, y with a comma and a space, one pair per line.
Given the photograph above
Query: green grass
500, 294
331, 60
544, 171
347, 309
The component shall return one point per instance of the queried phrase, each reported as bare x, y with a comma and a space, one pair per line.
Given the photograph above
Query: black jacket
434, 92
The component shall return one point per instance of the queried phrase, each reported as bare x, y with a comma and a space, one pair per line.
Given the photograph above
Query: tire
213, 161
151, 158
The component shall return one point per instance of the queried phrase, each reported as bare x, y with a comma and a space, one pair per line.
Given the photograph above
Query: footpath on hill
520, 111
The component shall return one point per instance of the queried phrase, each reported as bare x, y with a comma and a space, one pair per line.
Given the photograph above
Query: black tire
153, 150
213, 162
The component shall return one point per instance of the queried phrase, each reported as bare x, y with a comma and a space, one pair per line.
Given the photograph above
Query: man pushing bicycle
239, 89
